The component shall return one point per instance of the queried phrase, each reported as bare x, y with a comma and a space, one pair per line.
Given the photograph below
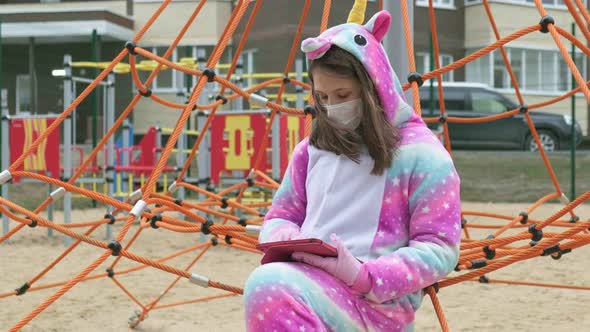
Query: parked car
472, 100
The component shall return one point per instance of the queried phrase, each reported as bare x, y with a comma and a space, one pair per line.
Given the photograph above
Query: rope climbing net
146, 209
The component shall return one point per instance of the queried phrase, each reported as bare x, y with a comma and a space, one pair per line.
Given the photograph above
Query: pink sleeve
289, 203
434, 230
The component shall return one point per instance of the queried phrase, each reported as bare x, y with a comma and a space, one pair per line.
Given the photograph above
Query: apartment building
463, 27
36, 35
539, 67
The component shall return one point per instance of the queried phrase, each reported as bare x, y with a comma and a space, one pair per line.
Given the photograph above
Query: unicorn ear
379, 24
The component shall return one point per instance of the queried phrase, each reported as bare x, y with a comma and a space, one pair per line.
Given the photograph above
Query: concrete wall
510, 18
450, 32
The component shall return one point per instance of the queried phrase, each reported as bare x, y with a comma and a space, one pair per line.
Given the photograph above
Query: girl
372, 180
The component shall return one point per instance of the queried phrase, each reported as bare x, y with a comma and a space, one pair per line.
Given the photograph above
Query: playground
168, 231
98, 306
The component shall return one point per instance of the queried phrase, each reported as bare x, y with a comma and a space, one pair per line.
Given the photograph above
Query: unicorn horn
357, 13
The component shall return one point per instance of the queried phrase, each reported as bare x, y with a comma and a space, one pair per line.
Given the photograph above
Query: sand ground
99, 305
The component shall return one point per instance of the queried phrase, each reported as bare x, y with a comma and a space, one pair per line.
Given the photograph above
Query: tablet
280, 251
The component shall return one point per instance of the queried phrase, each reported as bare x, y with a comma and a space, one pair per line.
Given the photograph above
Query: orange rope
232, 68
506, 248
478, 54
410, 50
438, 308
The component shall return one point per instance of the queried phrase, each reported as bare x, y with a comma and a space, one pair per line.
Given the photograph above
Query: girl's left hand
344, 267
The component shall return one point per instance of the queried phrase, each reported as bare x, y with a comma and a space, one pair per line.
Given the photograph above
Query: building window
23, 94
556, 3
537, 71
437, 3
165, 81
423, 64
549, 3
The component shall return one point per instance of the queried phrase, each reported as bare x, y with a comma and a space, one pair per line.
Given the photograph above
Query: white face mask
348, 113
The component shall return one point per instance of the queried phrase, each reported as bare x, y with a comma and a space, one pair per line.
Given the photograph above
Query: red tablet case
280, 251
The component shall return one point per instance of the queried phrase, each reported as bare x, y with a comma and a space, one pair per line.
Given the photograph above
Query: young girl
373, 181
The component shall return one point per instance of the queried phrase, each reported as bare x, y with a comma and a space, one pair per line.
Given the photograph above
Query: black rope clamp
205, 227
147, 93
130, 46
463, 223
309, 109
261, 215
218, 97
574, 220
545, 21
525, 217
561, 253
416, 77
157, 217
442, 118
115, 247
484, 280
178, 201
110, 273
22, 289
224, 203
242, 222
286, 79
210, 73
436, 287
228, 239
551, 250
457, 269
490, 254
33, 223
214, 241
523, 109
476, 264
110, 217
537, 233
250, 182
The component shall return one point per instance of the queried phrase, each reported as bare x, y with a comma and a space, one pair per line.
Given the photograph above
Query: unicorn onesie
404, 225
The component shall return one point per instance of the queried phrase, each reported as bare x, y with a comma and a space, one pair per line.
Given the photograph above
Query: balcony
50, 21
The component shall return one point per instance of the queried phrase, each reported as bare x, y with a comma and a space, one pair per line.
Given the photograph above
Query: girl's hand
344, 267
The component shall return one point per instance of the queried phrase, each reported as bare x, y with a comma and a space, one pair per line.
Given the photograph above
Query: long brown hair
379, 135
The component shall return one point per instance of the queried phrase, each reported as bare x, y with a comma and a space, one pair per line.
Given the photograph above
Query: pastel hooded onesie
405, 225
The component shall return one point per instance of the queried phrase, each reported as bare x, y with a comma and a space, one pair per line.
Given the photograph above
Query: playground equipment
21, 131
229, 144
148, 209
